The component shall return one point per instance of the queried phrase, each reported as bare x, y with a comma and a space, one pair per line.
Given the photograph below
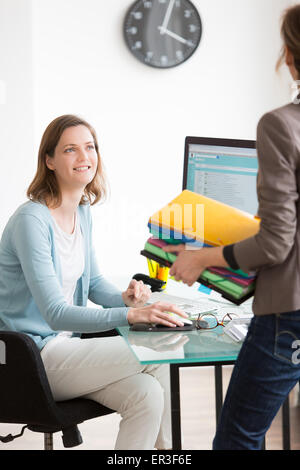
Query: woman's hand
190, 264
156, 313
137, 294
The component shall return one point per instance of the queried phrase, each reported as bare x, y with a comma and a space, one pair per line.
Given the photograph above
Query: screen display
226, 174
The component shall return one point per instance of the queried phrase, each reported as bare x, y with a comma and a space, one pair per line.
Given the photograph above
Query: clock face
162, 33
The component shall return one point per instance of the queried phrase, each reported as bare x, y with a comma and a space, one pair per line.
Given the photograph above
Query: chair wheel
71, 437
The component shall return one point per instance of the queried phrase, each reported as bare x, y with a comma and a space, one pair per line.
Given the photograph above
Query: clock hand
173, 35
167, 16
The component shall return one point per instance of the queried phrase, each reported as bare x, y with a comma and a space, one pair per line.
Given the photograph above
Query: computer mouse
183, 320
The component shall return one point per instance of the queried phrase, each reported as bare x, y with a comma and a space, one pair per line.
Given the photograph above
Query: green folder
216, 287
155, 250
171, 241
216, 280
228, 286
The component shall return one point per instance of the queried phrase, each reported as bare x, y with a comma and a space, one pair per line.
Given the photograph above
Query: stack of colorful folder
199, 221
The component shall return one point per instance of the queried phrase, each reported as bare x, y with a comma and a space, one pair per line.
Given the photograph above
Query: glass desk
188, 349
179, 349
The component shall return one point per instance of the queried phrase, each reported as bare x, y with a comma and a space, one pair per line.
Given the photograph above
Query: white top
71, 253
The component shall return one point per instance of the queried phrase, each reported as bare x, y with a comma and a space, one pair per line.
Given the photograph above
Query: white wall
16, 104
81, 65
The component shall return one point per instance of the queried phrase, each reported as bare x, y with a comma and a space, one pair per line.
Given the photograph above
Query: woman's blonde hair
290, 32
44, 187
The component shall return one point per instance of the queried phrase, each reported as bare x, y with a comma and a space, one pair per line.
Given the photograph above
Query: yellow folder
205, 219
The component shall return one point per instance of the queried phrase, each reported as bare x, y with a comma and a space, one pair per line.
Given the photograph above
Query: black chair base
71, 436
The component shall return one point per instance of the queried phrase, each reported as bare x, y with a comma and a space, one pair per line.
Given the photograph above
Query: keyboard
190, 306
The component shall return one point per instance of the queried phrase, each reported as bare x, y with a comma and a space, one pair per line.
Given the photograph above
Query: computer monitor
222, 169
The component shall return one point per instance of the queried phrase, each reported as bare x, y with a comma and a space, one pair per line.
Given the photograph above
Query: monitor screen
222, 169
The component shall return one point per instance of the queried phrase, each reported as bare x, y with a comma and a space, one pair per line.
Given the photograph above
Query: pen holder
163, 274
157, 271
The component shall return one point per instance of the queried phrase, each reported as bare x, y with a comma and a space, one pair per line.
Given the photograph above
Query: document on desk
190, 306
194, 307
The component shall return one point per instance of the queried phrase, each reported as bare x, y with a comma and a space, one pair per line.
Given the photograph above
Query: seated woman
48, 271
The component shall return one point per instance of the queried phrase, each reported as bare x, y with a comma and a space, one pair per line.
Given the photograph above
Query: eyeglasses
209, 321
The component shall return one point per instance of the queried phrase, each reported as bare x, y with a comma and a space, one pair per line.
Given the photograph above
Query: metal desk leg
175, 406
218, 391
286, 424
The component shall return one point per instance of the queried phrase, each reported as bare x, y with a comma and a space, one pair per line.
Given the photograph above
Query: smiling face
75, 158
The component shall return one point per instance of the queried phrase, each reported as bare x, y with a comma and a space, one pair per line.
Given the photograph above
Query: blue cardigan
31, 298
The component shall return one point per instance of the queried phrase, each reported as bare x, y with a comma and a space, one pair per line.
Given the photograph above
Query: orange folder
205, 219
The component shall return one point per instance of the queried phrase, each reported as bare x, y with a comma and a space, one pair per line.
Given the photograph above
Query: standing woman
268, 364
48, 271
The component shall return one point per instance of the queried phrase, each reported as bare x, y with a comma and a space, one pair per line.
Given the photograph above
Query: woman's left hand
137, 294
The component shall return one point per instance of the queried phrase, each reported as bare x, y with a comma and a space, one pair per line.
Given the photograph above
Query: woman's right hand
156, 313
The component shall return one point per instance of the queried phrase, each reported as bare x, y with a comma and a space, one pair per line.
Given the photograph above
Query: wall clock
162, 33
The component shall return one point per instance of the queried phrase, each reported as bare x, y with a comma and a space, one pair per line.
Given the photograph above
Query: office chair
26, 398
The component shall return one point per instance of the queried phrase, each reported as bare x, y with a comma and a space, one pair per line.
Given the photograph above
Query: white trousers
106, 371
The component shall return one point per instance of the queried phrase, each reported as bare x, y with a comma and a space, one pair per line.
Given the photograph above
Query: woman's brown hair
290, 32
44, 187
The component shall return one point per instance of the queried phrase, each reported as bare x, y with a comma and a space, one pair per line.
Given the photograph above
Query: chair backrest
25, 395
